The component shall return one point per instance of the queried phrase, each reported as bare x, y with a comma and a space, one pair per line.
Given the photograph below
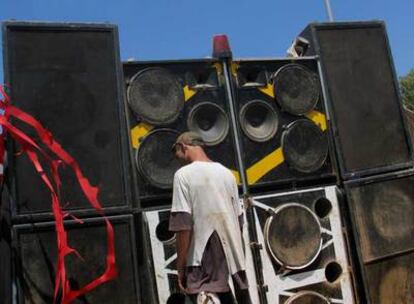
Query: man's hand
181, 281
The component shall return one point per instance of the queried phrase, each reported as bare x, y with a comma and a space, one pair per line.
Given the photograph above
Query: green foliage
407, 90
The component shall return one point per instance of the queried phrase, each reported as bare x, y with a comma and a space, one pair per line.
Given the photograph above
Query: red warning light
221, 47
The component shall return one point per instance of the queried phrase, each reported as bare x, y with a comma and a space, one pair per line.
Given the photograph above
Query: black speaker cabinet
382, 213
5, 250
161, 244
363, 96
284, 130
35, 257
303, 252
68, 76
166, 98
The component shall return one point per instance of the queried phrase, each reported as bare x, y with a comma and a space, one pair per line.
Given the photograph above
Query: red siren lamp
221, 47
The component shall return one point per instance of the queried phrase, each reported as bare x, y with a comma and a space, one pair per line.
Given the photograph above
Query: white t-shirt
208, 191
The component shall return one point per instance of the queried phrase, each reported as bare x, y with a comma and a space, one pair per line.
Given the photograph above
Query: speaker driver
155, 160
304, 146
293, 236
210, 121
156, 96
307, 297
296, 89
258, 120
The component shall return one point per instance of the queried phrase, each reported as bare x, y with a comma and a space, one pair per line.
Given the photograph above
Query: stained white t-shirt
208, 191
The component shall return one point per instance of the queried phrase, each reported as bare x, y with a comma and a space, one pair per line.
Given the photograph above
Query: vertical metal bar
329, 10
236, 135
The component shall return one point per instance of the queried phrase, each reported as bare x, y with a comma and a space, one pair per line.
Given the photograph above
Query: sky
179, 29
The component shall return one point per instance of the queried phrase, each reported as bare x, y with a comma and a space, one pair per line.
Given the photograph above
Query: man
207, 217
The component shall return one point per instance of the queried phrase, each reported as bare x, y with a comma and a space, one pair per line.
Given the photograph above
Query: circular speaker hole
259, 120
163, 233
322, 207
176, 298
333, 271
210, 121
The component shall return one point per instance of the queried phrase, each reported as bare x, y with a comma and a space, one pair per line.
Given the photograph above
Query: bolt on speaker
210, 121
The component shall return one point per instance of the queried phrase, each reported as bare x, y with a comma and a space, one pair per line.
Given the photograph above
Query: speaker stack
374, 153
68, 76
166, 98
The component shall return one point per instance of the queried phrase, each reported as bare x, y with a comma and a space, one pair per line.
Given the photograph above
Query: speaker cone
307, 297
210, 121
258, 120
296, 89
155, 161
293, 236
305, 146
156, 96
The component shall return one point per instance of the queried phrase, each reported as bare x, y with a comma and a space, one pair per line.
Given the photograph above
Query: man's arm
182, 246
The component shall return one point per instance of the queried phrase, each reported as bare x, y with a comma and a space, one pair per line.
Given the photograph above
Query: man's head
189, 147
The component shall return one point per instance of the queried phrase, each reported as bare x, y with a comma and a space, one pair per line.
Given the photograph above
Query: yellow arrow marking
138, 132
218, 67
318, 118
268, 90
265, 165
188, 93
236, 175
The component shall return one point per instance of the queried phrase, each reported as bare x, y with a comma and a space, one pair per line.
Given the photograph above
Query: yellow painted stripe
188, 93
236, 175
234, 67
138, 132
218, 67
265, 165
268, 90
318, 118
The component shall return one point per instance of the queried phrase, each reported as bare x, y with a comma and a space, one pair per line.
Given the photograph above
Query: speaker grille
364, 98
67, 77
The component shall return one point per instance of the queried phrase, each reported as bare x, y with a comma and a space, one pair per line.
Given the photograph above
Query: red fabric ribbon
61, 157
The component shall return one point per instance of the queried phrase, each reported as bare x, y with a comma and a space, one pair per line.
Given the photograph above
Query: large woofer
210, 121
296, 89
156, 96
304, 146
307, 297
155, 161
258, 120
293, 236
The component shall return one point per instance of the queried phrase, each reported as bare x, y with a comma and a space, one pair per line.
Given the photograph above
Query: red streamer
32, 149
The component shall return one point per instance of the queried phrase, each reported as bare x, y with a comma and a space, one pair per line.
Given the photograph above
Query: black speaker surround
68, 77
363, 96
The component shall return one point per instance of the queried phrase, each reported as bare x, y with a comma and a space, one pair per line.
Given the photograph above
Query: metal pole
329, 10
